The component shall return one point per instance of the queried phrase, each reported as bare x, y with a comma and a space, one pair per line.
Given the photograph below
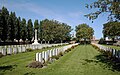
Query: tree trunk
18, 41
85, 41
113, 39
61, 42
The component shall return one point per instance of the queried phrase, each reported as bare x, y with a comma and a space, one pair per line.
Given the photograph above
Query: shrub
55, 57
102, 41
61, 54
66, 51
1, 55
43, 47
29, 49
35, 64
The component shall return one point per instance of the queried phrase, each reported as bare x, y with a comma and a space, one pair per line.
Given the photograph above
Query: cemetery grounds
82, 60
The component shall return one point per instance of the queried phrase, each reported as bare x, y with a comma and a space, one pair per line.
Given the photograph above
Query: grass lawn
82, 60
115, 47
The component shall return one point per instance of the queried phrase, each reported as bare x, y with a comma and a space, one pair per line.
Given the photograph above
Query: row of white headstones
14, 49
46, 55
114, 52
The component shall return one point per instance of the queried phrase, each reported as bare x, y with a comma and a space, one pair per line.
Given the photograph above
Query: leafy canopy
112, 7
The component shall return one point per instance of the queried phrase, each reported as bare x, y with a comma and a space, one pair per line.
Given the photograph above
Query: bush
102, 41
1, 55
43, 47
66, 51
35, 64
73, 47
55, 57
29, 49
60, 54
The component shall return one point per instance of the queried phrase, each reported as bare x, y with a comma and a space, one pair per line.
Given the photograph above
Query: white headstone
15, 50
9, 50
43, 55
46, 56
4, 51
53, 52
40, 57
50, 54
19, 49
23, 49
37, 57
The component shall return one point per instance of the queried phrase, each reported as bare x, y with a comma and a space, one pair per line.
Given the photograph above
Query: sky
67, 11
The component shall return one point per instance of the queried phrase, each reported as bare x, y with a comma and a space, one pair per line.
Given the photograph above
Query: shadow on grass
87, 61
7, 67
112, 64
29, 73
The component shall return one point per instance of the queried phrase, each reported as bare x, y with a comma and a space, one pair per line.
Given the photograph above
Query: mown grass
82, 60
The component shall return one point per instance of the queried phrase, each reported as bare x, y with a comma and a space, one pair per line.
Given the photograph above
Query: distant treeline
16, 28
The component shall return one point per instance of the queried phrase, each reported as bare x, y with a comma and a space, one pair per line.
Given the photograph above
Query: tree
4, 24
36, 25
24, 29
18, 23
54, 30
30, 30
83, 31
112, 7
12, 26
1, 27
111, 29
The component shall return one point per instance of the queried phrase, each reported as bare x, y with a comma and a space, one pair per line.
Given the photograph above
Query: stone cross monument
35, 40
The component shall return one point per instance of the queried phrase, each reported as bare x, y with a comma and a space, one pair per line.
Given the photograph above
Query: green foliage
36, 25
18, 31
61, 54
12, 26
53, 30
29, 50
23, 29
35, 64
55, 57
30, 30
101, 41
111, 29
112, 7
83, 31
4, 24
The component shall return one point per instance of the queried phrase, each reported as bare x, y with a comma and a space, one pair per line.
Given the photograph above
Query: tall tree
12, 26
83, 31
4, 25
112, 7
54, 30
0, 24
36, 25
30, 30
18, 31
23, 29
111, 29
